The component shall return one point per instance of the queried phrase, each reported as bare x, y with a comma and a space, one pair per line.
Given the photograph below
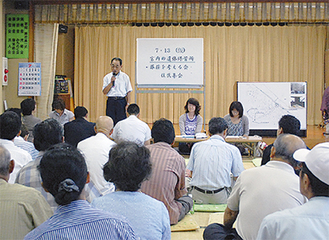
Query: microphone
114, 74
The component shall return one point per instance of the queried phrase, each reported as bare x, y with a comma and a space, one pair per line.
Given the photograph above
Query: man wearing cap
117, 87
311, 220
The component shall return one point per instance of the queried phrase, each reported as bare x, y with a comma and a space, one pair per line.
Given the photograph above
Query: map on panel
265, 103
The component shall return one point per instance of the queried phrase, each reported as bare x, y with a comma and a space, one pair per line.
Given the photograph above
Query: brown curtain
246, 54
290, 12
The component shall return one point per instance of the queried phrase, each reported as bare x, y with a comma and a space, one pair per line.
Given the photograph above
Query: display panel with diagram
265, 103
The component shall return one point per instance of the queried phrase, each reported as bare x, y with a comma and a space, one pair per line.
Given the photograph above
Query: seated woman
238, 124
64, 174
190, 123
60, 113
128, 166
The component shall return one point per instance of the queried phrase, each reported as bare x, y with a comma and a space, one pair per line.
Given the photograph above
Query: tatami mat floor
202, 218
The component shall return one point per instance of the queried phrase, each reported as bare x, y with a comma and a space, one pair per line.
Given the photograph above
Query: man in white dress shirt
117, 87
132, 129
96, 152
10, 125
311, 220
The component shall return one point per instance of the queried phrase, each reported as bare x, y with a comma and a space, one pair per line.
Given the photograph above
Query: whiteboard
265, 103
169, 62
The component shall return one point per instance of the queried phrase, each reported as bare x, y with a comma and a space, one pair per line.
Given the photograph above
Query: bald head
284, 147
104, 124
4, 161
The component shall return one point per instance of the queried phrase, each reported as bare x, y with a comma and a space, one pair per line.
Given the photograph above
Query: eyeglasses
115, 66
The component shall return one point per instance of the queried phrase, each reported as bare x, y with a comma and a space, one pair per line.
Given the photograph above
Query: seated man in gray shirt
29, 120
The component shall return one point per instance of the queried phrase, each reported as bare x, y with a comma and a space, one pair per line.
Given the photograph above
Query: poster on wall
169, 62
29, 79
17, 35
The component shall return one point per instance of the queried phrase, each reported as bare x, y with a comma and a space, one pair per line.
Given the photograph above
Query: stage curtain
46, 38
202, 12
231, 54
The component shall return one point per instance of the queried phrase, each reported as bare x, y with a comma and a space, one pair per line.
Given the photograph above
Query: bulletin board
265, 103
169, 62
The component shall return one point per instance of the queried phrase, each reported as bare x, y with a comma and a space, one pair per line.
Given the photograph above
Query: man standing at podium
117, 87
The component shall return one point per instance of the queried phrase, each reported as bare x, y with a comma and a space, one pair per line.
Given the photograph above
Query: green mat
209, 207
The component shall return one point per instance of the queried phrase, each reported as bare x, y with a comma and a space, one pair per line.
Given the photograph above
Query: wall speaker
62, 28
22, 5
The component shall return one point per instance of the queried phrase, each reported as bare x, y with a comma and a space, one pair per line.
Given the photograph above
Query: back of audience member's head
104, 124
24, 131
217, 125
285, 146
4, 161
64, 173
58, 104
10, 125
80, 112
133, 109
319, 188
163, 131
47, 133
289, 124
27, 106
15, 110
194, 102
128, 166
238, 106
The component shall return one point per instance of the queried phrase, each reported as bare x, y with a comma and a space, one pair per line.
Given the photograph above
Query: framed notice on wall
17, 35
169, 62
29, 79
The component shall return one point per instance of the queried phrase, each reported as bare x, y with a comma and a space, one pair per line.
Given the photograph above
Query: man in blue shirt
311, 220
211, 163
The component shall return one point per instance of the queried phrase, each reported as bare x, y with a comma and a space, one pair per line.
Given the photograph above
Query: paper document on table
185, 136
200, 135
235, 137
255, 137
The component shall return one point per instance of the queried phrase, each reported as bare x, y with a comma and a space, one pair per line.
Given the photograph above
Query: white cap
316, 160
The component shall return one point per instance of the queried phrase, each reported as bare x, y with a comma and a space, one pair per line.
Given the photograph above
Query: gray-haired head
4, 161
285, 145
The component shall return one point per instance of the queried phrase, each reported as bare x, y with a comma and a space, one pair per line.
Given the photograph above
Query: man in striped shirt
167, 181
